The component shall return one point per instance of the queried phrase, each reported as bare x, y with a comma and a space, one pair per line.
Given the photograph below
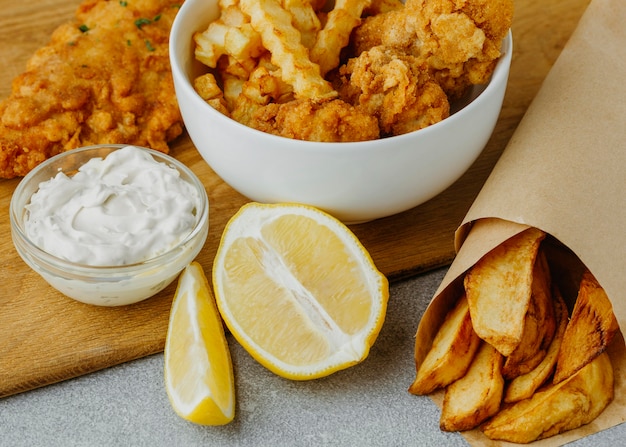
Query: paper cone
563, 171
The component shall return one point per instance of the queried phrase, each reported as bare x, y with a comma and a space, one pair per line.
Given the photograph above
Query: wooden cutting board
46, 337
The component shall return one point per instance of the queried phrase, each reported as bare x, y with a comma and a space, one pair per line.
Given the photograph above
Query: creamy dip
118, 210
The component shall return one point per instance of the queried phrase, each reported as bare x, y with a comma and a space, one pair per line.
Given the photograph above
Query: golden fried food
282, 39
304, 119
539, 324
459, 40
208, 89
499, 288
569, 404
103, 78
589, 331
381, 6
304, 19
231, 34
395, 88
379, 57
522, 396
477, 395
523, 386
399, 32
344, 17
451, 353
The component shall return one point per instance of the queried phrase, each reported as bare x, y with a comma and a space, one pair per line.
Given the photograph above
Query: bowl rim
177, 61
16, 217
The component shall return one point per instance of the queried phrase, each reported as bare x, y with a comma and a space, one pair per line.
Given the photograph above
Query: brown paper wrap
563, 171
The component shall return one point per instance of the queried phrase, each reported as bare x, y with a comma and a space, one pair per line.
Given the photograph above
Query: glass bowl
105, 285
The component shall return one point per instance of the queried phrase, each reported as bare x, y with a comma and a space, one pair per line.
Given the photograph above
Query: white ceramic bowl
104, 285
355, 182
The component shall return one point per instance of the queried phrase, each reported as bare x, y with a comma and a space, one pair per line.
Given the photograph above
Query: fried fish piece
451, 353
103, 78
499, 288
590, 330
459, 40
395, 88
560, 407
305, 119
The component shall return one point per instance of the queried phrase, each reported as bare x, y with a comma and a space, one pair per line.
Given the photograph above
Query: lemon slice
298, 290
198, 368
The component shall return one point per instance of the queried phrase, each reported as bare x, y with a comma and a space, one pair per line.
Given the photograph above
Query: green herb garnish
142, 21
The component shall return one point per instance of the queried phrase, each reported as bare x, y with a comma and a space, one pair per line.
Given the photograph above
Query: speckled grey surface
366, 405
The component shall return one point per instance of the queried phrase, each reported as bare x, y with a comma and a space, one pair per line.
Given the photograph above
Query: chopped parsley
142, 22
123, 3
83, 28
149, 45
145, 21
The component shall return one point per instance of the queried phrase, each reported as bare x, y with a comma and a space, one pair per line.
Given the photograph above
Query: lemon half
298, 290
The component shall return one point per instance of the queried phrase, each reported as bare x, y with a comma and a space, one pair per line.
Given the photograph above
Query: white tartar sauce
118, 210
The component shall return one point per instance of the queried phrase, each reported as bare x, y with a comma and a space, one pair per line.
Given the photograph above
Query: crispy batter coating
304, 119
395, 88
460, 39
103, 78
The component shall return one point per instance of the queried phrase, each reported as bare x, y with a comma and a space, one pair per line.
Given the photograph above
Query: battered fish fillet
304, 119
395, 88
103, 78
460, 39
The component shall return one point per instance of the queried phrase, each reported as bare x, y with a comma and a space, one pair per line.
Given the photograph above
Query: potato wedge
589, 331
523, 387
570, 404
498, 290
477, 395
451, 353
539, 325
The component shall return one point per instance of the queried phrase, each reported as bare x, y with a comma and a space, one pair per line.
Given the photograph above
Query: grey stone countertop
366, 405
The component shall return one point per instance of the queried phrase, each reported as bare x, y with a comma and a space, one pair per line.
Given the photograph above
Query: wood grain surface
46, 337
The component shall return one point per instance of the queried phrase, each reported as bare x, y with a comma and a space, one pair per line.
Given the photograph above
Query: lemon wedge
198, 369
298, 290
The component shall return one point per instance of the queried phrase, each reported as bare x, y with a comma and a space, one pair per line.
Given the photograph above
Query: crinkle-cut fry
243, 42
305, 20
344, 17
231, 35
232, 15
282, 40
210, 43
